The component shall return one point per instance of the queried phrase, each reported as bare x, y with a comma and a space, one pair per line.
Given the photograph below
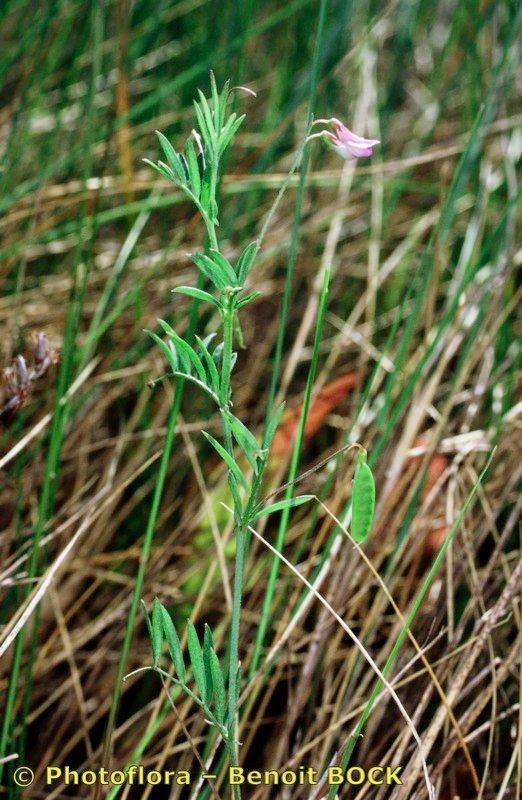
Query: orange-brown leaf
436, 467
323, 402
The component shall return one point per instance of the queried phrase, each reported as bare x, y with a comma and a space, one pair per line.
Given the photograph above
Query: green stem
234, 648
233, 664
203, 706
228, 332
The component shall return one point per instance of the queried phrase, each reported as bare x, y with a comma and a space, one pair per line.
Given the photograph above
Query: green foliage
173, 644
246, 261
248, 443
248, 298
181, 357
196, 175
196, 660
204, 663
235, 470
198, 294
282, 505
208, 647
157, 632
218, 685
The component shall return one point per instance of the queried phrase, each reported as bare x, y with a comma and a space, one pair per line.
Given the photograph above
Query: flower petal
356, 145
345, 142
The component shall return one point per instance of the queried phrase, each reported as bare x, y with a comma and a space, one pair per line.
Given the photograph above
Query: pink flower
344, 142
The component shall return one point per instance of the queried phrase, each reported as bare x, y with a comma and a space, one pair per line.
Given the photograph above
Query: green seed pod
363, 499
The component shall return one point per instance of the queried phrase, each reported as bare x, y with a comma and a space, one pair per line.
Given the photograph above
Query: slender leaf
205, 188
282, 504
167, 352
218, 684
245, 261
210, 364
184, 359
217, 355
187, 377
193, 169
173, 644
196, 660
209, 123
208, 646
162, 169
219, 106
247, 299
227, 458
198, 294
172, 157
147, 620
157, 632
245, 439
206, 134
229, 131
191, 355
225, 91
210, 270
225, 266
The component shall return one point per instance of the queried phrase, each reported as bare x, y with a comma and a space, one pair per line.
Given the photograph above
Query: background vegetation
419, 361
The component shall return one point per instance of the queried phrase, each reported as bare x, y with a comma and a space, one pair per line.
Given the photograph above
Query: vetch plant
208, 364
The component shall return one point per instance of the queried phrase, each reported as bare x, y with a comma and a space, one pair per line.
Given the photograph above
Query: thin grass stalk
292, 474
289, 278
296, 222
417, 603
60, 416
